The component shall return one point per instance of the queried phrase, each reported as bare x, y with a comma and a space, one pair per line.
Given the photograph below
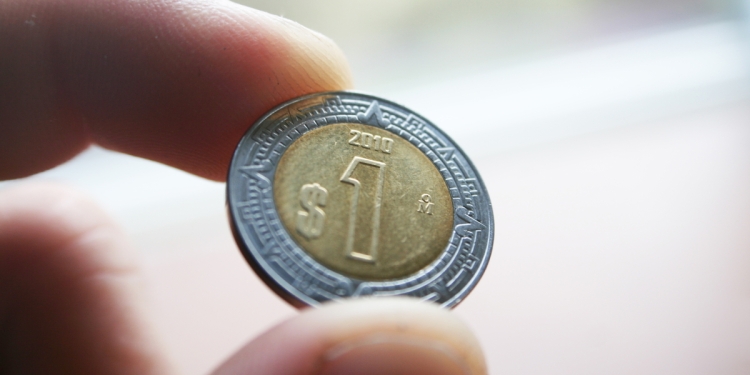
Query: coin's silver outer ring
296, 276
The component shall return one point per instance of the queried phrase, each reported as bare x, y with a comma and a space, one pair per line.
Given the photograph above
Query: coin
341, 194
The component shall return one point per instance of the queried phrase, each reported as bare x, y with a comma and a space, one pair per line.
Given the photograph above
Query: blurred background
613, 135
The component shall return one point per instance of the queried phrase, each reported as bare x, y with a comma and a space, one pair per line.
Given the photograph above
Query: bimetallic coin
340, 194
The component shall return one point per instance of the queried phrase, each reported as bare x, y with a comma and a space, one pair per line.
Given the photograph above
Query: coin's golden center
363, 201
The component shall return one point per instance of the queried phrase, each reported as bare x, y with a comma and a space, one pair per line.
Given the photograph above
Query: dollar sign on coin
310, 222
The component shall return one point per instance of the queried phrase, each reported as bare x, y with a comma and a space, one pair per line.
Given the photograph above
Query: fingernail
393, 355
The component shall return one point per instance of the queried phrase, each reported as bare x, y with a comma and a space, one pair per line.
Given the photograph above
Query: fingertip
40, 219
62, 214
313, 60
373, 336
178, 82
70, 287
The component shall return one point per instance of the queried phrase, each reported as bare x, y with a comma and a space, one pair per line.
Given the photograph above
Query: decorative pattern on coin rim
288, 269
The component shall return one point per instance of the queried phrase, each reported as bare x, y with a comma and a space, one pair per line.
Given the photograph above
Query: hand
177, 82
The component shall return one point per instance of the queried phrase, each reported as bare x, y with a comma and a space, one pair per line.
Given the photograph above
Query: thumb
364, 337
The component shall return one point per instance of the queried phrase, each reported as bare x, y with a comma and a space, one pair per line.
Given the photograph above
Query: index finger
177, 82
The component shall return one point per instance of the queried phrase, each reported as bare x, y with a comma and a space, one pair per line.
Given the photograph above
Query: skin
177, 82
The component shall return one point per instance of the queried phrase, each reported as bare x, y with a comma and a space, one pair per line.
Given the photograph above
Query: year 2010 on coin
340, 194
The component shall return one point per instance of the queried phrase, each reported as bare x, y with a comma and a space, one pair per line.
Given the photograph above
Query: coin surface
341, 194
